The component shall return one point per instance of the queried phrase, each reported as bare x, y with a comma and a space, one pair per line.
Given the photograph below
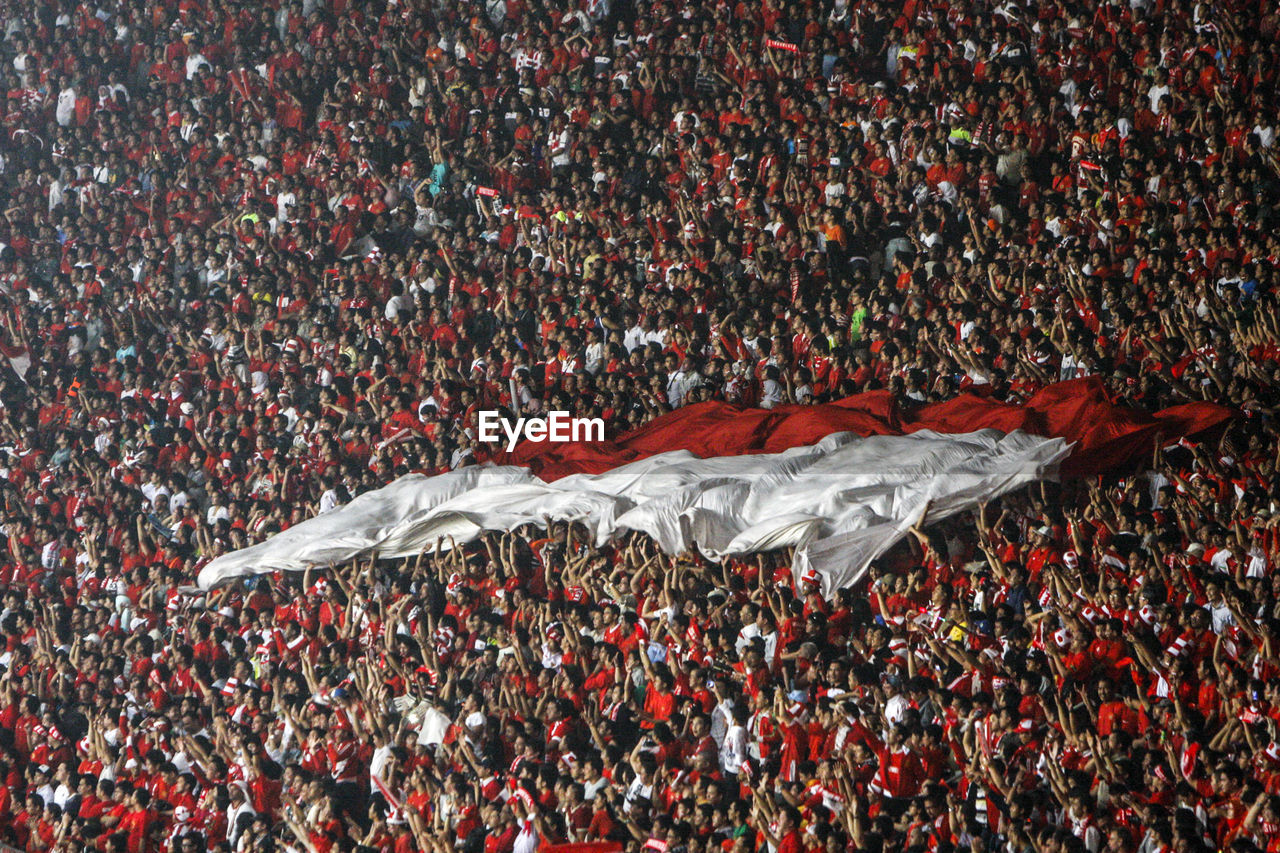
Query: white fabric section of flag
841, 503
19, 358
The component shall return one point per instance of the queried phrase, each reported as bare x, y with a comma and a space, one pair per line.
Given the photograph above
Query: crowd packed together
259, 258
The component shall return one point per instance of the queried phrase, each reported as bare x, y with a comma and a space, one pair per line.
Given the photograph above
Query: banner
840, 482
863, 493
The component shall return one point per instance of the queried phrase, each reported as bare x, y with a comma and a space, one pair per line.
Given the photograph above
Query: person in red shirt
502, 832
660, 697
901, 773
783, 830
137, 821
1042, 552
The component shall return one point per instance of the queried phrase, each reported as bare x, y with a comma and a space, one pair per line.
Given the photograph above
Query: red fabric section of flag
1107, 436
386, 792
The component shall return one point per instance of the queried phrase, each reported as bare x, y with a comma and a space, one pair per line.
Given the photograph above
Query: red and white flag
396, 807
18, 357
1188, 761
840, 482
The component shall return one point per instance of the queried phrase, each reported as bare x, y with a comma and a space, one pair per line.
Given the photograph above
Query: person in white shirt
381, 757
240, 805
641, 787
464, 451
527, 840
217, 511
398, 302
1219, 611
328, 500
58, 188
682, 379
595, 353
560, 143
1158, 90
1265, 132
733, 752
66, 108
896, 707
722, 713
285, 199
194, 62
45, 790
763, 628
285, 402
638, 334
64, 790
593, 780
772, 392
835, 188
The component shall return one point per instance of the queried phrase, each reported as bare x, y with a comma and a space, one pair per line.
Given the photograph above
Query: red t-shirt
659, 706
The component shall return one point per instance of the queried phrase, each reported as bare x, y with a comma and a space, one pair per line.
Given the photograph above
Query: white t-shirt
66, 108
590, 789
595, 357
749, 633
527, 840
734, 749
193, 64
721, 720
771, 394
378, 763
1154, 95
896, 708
328, 501
635, 337
395, 305
636, 790
425, 218
434, 727
61, 794
284, 199
1222, 617
559, 144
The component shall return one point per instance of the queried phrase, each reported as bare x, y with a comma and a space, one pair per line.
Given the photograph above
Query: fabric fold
844, 488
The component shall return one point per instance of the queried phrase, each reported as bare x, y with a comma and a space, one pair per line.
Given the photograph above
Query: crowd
257, 259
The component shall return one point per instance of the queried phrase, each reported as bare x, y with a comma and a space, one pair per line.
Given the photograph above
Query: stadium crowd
256, 259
